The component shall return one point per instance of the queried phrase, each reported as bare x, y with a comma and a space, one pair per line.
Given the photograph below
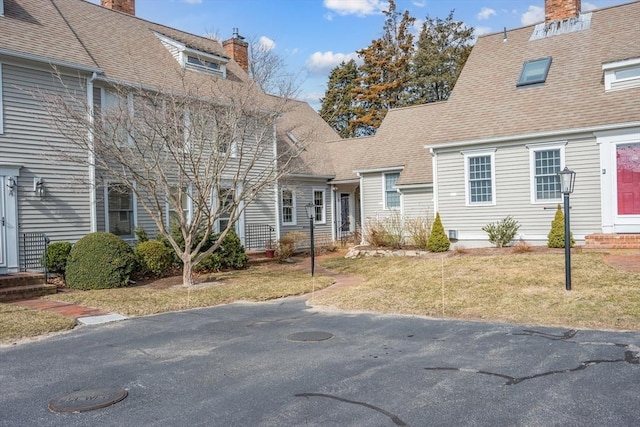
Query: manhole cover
310, 336
87, 400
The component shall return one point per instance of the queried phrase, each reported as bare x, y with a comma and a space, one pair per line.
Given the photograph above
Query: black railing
258, 236
34, 249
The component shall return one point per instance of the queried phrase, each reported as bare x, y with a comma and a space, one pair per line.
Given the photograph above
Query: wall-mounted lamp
38, 186
12, 185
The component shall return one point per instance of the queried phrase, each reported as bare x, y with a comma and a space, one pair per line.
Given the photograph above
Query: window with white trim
185, 203
121, 212
480, 185
226, 200
1, 115
117, 117
319, 216
621, 75
546, 161
391, 195
288, 207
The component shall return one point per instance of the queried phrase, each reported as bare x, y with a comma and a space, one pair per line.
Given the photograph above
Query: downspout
93, 218
334, 215
362, 223
277, 182
434, 167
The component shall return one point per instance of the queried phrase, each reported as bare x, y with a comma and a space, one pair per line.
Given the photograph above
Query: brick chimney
238, 50
124, 6
558, 10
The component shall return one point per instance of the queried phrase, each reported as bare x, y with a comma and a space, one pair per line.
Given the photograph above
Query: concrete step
17, 293
21, 279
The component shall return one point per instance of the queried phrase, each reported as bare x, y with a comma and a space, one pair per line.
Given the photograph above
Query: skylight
534, 72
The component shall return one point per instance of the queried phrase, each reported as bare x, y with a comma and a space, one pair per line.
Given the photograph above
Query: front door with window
345, 217
3, 221
8, 219
628, 178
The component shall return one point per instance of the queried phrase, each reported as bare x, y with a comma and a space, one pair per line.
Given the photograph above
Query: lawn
526, 288
19, 322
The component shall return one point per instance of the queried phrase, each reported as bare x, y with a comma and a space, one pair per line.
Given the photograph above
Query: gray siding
417, 203
30, 140
372, 195
303, 191
513, 193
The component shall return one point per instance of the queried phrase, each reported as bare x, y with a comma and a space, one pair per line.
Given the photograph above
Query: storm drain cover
310, 336
87, 400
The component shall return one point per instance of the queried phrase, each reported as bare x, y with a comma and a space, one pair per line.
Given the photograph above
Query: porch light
38, 186
12, 184
567, 180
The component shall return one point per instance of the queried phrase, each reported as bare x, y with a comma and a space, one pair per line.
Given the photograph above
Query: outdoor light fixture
12, 185
567, 180
38, 186
311, 213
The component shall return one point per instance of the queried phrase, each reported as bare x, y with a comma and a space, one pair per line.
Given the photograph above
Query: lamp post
310, 207
567, 180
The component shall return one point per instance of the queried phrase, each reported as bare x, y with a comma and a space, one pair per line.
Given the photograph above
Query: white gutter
93, 207
412, 186
277, 182
535, 135
362, 223
385, 169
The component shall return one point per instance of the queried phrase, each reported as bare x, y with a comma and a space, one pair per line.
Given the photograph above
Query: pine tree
337, 106
442, 50
438, 240
556, 235
384, 74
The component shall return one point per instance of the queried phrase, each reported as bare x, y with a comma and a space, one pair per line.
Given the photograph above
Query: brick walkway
628, 262
73, 311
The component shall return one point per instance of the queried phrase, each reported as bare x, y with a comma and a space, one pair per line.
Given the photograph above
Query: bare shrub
386, 232
288, 244
419, 229
522, 247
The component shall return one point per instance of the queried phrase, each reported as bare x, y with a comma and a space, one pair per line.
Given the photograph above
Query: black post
313, 252
567, 243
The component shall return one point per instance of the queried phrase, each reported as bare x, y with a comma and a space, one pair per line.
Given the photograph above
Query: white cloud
323, 62
265, 43
356, 7
485, 13
419, 3
193, 1
479, 31
534, 15
586, 6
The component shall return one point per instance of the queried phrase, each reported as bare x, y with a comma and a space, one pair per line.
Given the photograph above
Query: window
120, 210
185, 203
391, 195
288, 208
226, 199
546, 161
318, 207
1, 115
534, 72
117, 117
198, 63
202, 63
480, 178
622, 74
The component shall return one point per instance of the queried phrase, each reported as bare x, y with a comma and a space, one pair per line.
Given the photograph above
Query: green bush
502, 232
153, 258
438, 240
99, 261
141, 234
230, 254
55, 258
556, 235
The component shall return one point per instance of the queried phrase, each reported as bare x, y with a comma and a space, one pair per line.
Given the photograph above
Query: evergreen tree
438, 240
337, 106
442, 49
384, 74
556, 235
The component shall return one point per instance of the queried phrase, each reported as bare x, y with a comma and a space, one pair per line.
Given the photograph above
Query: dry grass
19, 322
523, 288
258, 283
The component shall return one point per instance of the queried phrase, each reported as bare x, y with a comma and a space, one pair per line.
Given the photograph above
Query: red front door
628, 167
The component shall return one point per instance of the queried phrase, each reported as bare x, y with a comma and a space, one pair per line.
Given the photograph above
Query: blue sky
313, 36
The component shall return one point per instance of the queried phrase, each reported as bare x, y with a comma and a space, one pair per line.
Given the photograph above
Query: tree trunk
187, 270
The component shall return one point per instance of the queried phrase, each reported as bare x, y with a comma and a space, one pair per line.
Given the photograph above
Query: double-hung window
120, 210
226, 199
288, 207
1, 115
117, 117
184, 195
480, 185
546, 161
318, 207
391, 195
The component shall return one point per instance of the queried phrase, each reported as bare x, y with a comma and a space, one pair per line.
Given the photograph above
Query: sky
313, 36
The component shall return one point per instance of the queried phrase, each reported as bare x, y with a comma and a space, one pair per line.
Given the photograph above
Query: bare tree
211, 145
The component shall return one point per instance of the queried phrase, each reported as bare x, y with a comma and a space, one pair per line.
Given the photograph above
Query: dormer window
192, 60
534, 72
195, 59
621, 74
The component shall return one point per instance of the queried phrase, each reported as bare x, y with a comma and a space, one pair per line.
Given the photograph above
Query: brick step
612, 241
21, 279
26, 291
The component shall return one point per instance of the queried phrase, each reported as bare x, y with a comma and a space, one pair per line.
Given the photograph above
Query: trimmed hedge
56, 257
99, 261
153, 258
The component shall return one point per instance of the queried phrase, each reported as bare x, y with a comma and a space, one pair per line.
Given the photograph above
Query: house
529, 102
94, 55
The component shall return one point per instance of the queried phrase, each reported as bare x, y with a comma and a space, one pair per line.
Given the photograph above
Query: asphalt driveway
245, 365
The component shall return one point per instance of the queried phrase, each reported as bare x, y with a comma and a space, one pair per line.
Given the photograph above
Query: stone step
612, 241
21, 279
16, 293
